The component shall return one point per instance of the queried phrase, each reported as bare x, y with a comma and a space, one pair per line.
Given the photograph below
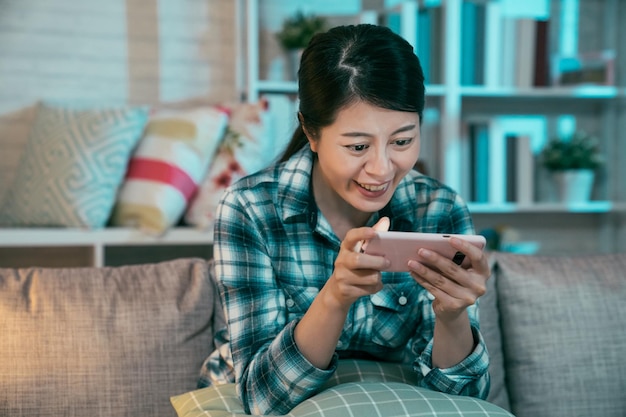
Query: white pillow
243, 151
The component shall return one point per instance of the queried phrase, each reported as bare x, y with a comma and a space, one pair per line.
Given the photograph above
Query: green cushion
361, 389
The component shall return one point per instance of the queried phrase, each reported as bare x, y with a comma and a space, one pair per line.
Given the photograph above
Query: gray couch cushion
490, 329
564, 333
102, 342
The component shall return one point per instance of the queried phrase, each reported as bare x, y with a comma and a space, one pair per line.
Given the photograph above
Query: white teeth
374, 187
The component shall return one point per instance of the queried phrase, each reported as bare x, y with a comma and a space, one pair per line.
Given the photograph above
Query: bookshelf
65, 247
480, 58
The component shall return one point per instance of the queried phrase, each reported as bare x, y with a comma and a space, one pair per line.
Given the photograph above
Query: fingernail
416, 266
425, 253
360, 246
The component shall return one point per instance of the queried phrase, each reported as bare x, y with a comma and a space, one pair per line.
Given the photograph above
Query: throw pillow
564, 333
243, 151
169, 163
360, 388
72, 166
113, 341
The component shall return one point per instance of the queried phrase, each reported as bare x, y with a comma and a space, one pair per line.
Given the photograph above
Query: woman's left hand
453, 287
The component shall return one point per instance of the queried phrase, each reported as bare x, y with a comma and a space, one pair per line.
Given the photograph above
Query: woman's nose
378, 164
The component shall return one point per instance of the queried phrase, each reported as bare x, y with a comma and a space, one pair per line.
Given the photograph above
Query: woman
298, 294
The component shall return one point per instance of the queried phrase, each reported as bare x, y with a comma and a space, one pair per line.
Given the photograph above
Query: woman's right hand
356, 274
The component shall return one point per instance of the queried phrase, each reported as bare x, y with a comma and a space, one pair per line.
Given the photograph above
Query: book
541, 77
478, 162
509, 51
431, 20
524, 137
423, 45
493, 44
479, 60
525, 33
497, 162
519, 169
501, 153
525, 170
469, 42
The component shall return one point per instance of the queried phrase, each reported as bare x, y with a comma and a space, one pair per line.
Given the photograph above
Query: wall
109, 52
149, 51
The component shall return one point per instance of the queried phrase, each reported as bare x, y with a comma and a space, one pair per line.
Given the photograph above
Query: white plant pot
574, 186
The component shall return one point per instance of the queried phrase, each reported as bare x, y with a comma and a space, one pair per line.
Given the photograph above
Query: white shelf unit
595, 206
96, 242
453, 102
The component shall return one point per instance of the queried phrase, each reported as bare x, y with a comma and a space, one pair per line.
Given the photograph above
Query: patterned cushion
115, 341
73, 165
360, 388
564, 333
169, 163
243, 151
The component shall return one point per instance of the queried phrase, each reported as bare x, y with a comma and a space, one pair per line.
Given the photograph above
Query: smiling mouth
374, 188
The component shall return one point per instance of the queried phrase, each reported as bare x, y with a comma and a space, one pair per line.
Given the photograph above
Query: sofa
130, 340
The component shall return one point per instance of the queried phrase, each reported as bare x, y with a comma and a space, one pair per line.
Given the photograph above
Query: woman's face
364, 154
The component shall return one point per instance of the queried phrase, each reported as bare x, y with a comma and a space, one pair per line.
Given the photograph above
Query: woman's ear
310, 138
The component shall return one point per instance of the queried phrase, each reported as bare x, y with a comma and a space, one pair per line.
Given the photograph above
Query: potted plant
295, 34
573, 161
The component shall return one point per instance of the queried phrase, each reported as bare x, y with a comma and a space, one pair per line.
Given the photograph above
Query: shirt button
290, 303
339, 344
402, 300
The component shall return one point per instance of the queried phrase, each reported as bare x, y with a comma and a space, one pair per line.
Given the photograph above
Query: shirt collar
295, 184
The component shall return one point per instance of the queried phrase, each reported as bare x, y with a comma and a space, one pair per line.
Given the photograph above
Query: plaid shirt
274, 251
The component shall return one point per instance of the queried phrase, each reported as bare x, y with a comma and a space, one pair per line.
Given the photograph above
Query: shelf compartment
587, 207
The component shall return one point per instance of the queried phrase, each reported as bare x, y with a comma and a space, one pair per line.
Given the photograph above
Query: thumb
382, 225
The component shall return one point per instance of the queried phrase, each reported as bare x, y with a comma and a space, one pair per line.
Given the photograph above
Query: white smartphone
400, 247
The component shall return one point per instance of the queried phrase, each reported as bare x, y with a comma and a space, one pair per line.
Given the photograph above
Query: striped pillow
169, 163
72, 166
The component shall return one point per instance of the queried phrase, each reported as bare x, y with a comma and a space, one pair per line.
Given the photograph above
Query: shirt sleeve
281, 378
271, 374
469, 377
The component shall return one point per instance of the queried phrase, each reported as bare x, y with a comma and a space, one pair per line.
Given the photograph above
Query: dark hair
351, 63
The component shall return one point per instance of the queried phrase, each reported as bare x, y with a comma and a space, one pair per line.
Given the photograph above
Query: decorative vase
575, 185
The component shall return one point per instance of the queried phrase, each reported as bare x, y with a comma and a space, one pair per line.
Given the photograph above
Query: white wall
109, 52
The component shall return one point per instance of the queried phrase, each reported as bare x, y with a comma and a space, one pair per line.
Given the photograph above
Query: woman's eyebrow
405, 129
395, 132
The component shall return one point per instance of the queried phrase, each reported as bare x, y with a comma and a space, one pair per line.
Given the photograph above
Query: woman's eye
357, 148
403, 142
